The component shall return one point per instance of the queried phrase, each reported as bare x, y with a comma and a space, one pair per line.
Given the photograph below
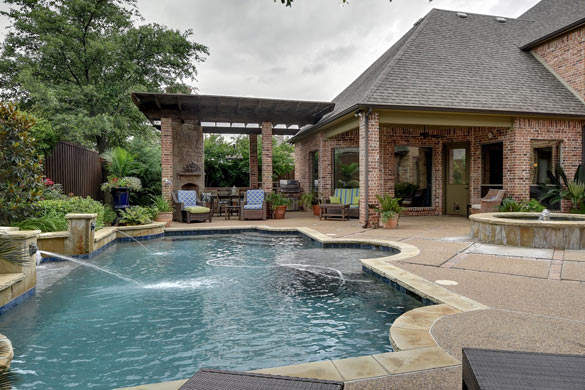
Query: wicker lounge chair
232, 380
490, 202
187, 208
254, 205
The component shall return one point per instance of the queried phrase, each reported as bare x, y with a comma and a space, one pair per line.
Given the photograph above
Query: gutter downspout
366, 160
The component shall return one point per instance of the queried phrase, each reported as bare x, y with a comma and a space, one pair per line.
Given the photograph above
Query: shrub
136, 215
45, 223
52, 190
109, 215
277, 200
21, 171
120, 162
510, 205
76, 204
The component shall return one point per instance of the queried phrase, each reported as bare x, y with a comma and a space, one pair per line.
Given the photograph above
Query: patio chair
490, 202
187, 208
254, 205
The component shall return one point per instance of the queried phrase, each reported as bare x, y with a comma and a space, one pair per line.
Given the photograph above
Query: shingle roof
551, 17
446, 62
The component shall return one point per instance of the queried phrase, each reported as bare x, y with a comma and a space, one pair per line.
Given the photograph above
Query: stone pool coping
502, 218
410, 334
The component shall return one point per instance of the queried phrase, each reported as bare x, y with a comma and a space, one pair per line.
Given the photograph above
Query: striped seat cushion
347, 195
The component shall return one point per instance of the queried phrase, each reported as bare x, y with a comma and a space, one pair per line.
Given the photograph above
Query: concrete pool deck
535, 296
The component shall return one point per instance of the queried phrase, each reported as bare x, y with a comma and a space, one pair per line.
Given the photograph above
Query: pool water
237, 302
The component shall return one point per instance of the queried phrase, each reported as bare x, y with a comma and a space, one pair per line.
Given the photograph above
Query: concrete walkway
535, 296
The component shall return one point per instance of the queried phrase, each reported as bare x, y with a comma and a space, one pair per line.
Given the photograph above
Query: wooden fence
77, 169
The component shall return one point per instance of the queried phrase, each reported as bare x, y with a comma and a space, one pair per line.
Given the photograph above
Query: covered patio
183, 119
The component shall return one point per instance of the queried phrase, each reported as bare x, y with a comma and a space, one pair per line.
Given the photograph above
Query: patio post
371, 174
267, 156
253, 161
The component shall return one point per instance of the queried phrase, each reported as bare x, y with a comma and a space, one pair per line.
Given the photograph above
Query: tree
21, 171
288, 3
75, 62
227, 163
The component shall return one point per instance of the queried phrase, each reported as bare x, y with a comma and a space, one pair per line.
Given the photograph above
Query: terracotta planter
316, 210
165, 217
279, 212
391, 223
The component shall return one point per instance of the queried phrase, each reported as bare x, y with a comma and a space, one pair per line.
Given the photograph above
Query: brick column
253, 161
374, 168
267, 156
166, 150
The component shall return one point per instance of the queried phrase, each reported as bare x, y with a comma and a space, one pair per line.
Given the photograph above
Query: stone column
82, 230
26, 243
166, 150
267, 157
373, 171
253, 161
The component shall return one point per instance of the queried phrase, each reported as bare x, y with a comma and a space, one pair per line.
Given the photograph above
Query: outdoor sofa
254, 205
188, 208
350, 196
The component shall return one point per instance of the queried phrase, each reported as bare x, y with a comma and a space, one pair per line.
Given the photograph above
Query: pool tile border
17, 301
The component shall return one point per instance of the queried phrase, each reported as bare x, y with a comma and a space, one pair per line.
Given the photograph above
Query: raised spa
240, 302
560, 231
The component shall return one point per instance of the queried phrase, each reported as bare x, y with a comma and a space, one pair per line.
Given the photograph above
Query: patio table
334, 210
206, 379
491, 369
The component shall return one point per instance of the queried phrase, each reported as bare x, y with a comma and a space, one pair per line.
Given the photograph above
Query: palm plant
563, 188
120, 162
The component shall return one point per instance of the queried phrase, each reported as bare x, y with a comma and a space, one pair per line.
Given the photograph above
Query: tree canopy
75, 62
227, 163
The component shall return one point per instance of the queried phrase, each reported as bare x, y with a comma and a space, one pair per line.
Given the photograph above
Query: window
346, 168
492, 167
414, 175
458, 166
546, 156
314, 156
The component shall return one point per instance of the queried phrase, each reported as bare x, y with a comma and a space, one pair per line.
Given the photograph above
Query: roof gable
550, 18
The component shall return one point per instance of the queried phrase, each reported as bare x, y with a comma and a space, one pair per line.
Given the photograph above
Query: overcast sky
310, 51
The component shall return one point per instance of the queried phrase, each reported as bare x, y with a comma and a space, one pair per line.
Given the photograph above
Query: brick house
461, 104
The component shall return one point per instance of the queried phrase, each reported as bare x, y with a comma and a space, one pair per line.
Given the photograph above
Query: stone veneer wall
566, 56
187, 148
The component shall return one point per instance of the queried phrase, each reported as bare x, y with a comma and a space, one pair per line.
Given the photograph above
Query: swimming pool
241, 302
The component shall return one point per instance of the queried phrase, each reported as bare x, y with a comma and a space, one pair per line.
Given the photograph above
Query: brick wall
166, 146
566, 56
267, 157
518, 152
187, 148
253, 160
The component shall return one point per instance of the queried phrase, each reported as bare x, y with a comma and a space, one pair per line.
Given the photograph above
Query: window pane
414, 180
458, 166
346, 168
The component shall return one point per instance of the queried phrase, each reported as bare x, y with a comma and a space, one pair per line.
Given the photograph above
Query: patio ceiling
225, 111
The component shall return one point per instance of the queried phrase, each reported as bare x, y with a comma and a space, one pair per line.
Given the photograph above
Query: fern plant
389, 207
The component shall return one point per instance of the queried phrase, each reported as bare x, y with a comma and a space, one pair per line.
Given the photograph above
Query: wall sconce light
490, 135
167, 182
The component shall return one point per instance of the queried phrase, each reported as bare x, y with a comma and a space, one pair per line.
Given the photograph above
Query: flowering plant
132, 183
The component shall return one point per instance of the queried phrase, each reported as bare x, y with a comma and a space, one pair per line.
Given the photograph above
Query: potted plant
279, 205
163, 208
120, 165
311, 200
389, 211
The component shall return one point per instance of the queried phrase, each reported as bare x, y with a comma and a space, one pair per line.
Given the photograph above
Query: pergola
183, 119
